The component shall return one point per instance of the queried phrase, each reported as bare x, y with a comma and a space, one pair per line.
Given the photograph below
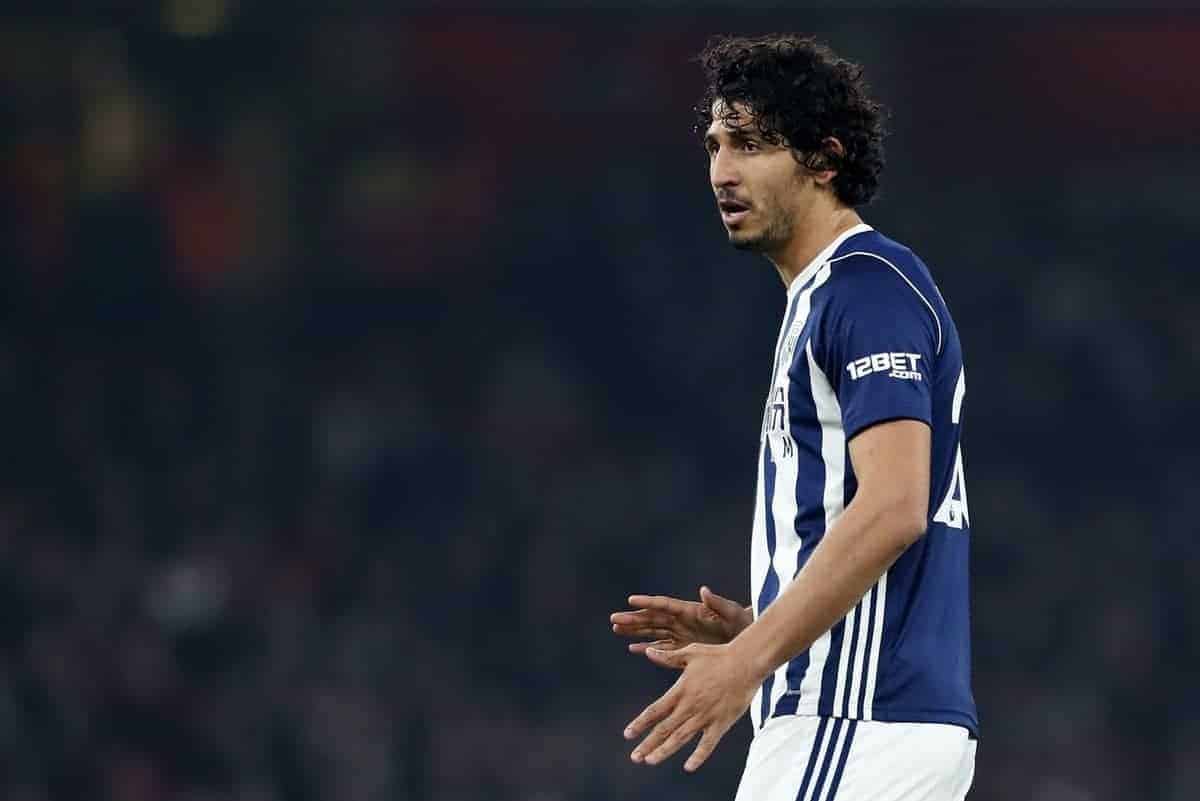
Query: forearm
854, 553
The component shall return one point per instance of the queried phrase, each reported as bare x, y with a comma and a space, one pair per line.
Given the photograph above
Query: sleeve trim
911, 285
891, 418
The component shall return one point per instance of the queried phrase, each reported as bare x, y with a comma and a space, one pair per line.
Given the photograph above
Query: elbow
911, 520
900, 517
911, 532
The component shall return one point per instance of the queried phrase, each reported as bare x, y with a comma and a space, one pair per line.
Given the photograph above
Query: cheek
784, 186
788, 196
783, 197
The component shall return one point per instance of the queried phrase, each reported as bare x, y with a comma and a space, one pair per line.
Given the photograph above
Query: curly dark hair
799, 92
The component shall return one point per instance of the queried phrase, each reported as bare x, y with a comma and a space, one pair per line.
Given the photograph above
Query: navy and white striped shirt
866, 338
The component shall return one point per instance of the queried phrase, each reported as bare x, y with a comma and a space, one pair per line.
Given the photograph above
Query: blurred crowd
352, 371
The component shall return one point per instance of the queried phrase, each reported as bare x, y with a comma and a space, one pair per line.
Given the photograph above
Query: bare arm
889, 513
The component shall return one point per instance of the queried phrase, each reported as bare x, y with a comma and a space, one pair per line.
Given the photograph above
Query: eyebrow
732, 133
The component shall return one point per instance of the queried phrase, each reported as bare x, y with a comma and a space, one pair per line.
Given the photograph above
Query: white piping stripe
924, 300
860, 652
810, 685
787, 541
786, 546
759, 564
839, 690
876, 643
833, 440
833, 454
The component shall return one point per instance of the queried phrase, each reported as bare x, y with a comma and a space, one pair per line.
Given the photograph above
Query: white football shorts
807, 758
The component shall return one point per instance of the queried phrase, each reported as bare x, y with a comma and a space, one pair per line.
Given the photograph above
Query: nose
721, 171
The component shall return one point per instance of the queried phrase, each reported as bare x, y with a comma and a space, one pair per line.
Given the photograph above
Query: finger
659, 735
637, 620
663, 603
721, 605
643, 624
652, 714
676, 659
712, 736
684, 733
642, 617
662, 645
644, 633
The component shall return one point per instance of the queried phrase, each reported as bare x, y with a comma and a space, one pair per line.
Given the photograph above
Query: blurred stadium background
354, 366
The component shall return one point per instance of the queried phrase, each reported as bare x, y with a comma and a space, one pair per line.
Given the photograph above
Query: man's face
759, 186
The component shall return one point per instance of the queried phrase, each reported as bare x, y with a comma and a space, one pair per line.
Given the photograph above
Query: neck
811, 237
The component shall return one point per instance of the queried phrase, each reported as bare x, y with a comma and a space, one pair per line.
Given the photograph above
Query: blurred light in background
196, 18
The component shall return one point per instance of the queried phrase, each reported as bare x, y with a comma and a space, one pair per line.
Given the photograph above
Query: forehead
726, 119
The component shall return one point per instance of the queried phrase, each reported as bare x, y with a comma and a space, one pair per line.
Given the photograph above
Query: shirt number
953, 510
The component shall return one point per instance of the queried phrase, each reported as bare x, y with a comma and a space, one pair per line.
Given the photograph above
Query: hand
713, 691
672, 624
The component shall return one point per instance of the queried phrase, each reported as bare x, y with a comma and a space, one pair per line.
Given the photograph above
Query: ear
824, 162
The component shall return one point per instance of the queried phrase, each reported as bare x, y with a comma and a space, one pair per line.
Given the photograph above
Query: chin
741, 241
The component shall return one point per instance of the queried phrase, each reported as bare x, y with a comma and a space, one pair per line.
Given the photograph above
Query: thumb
722, 606
677, 659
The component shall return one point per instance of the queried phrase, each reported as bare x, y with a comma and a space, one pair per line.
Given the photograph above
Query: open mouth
733, 211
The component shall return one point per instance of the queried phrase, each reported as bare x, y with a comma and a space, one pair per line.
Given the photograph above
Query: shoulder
873, 260
871, 275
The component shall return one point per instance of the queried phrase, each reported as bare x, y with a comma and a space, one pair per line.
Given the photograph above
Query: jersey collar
800, 280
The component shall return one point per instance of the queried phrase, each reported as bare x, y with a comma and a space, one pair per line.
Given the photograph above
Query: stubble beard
773, 236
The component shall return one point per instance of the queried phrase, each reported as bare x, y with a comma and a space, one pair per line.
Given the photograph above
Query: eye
750, 146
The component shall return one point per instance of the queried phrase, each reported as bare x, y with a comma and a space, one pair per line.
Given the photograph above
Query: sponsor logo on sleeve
896, 365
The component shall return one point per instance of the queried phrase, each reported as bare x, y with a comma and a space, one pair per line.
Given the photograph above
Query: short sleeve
877, 343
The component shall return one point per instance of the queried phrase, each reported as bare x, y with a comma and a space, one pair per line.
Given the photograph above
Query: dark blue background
352, 369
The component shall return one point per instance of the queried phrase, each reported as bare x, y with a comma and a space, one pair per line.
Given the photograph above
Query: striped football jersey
866, 338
